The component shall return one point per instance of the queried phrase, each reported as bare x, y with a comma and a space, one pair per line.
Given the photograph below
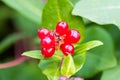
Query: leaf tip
23, 54
33, 54
100, 43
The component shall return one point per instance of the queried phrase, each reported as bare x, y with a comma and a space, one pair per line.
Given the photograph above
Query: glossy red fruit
51, 35
62, 28
43, 32
48, 52
73, 36
48, 41
67, 49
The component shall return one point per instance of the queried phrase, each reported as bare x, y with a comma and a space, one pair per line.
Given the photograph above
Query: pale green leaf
111, 74
29, 8
68, 67
87, 46
51, 68
25, 24
79, 60
33, 54
60, 10
99, 11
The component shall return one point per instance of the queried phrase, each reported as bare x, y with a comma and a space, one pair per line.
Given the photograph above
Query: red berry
62, 28
43, 32
48, 41
48, 52
67, 49
73, 36
51, 35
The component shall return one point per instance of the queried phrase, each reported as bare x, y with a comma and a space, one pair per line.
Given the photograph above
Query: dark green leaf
60, 10
29, 8
99, 58
33, 54
26, 71
68, 67
115, 32
111, 74
102, 11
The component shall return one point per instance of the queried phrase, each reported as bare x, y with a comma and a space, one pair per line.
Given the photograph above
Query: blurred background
19, 22
18, 33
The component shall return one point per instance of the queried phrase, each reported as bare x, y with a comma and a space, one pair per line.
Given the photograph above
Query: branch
13, 63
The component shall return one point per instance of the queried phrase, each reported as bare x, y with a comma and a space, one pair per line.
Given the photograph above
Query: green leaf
68, 67
111, 74
60, 10
99, 58
9, 40
33, 54
80, 52
79, 60
115, 32
24, 71
74, 1
87, 46
26, 25
29, 8
50, 68
101, 12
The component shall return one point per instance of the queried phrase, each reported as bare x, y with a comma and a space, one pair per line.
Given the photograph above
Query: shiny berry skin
43, 32
62, 28
73, 36
48, 41
67, 49
48, 52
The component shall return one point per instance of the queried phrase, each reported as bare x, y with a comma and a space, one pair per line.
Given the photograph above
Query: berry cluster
61, 38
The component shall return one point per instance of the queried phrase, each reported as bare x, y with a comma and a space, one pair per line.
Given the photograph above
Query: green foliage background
98, 16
